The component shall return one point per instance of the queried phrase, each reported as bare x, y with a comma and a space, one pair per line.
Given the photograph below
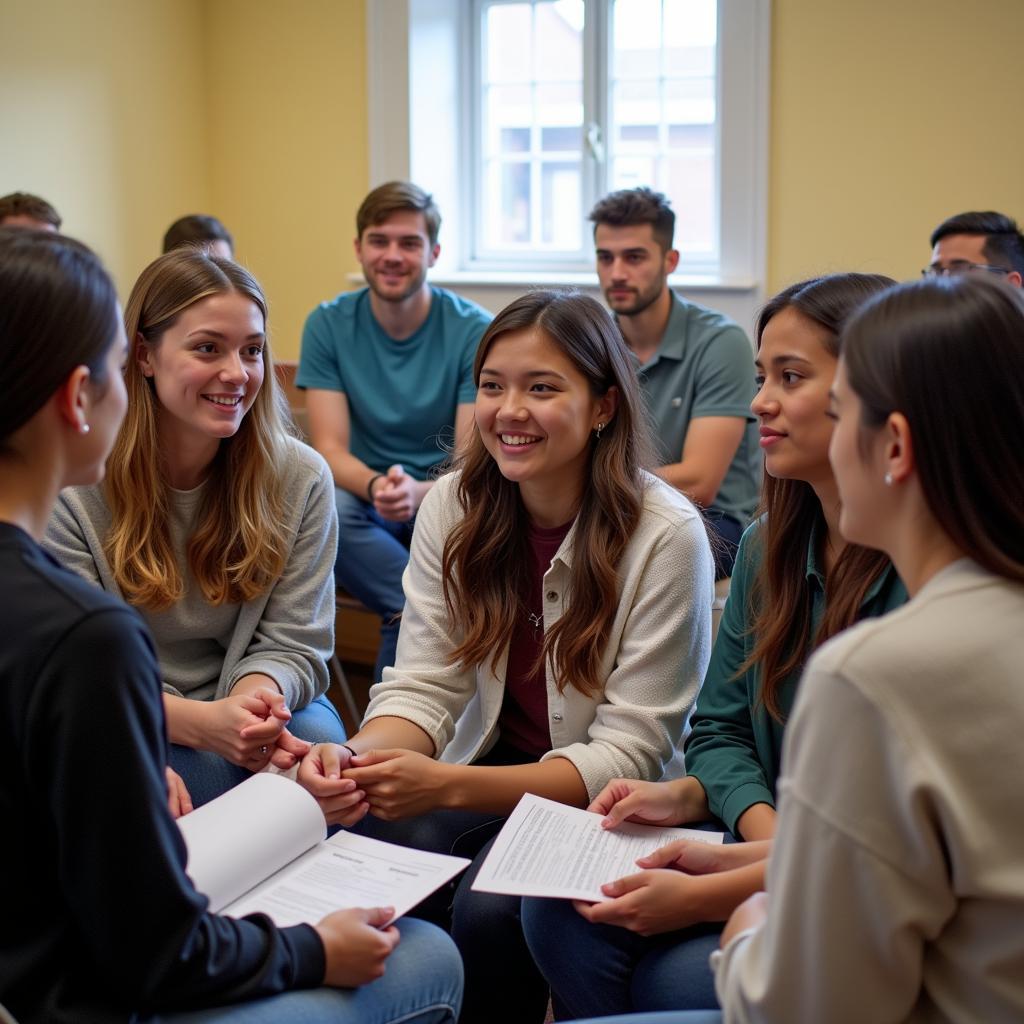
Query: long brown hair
781, 600
949, 355
239, 546
485, 559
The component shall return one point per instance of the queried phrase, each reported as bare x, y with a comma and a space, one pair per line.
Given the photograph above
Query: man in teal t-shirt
389, 378
696, 366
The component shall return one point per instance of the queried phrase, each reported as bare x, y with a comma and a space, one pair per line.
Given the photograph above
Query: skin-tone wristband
369, 486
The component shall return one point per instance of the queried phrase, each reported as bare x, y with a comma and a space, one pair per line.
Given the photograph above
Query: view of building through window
546, 157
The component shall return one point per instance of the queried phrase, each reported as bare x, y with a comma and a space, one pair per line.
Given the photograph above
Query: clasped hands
396, 495
248, 727
390, 783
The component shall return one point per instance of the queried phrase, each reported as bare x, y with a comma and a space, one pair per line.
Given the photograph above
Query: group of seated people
539, 505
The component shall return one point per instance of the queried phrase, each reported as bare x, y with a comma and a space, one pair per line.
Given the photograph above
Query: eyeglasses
961, 267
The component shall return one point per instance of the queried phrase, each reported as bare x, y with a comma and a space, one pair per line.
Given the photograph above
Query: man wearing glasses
984, 243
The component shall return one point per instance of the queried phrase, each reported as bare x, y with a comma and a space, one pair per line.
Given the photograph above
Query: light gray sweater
896, 882
287, 632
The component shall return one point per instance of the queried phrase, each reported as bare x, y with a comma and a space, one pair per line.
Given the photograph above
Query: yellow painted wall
287, 104
887, 117
102, 113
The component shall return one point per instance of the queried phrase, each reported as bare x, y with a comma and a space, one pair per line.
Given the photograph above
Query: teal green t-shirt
401, 395
704, 366
735, 747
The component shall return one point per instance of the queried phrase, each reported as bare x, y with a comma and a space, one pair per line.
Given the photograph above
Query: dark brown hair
24, 204
641, 205
396, 197
949, 355
781, 601
1004, 242
485, 559
195, 229
58, 310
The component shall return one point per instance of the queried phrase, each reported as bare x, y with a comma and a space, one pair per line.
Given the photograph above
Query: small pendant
536, 620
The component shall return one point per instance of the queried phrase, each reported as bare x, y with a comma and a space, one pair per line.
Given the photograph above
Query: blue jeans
207, 774
422, 985
596, 969
372, 555
503, 985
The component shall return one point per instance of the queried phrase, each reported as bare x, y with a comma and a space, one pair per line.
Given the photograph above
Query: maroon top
523, 722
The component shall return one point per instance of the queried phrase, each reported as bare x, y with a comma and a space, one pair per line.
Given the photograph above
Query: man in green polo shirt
696, 366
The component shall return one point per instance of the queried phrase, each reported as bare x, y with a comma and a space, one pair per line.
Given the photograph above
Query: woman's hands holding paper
651, 803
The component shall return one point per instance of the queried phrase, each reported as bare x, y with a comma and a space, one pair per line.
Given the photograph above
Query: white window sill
520, 280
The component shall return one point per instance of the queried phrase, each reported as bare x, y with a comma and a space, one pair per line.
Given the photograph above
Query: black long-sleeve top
98, 920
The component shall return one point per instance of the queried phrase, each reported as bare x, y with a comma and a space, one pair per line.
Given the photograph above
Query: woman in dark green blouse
795, 584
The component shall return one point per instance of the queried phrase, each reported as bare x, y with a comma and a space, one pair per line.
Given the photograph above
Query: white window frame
419, 62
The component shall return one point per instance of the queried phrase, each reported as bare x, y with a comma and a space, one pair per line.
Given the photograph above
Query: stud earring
83, 427
888, 479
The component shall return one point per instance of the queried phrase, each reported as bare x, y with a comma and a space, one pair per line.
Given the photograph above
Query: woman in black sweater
100, 921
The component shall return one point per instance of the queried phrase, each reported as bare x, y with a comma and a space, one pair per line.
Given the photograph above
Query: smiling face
794, 373
396, 255
631, 266
207, 368
536, 415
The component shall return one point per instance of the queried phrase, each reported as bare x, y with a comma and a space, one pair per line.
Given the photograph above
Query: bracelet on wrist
369, 486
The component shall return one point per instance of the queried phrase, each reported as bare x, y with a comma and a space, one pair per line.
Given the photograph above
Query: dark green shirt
735, 746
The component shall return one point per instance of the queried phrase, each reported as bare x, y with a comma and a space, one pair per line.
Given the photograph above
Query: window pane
560, 204
507, 30
690, 101
558, 41
663, 108
636, 36
531, 135
508, 114
507, 216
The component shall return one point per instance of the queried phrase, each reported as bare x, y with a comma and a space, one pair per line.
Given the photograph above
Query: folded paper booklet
261, 847
549, 849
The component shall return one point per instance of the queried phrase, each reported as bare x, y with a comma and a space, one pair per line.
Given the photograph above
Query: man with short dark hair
978, 242
696, 366
202, 230
389, 376
24, 210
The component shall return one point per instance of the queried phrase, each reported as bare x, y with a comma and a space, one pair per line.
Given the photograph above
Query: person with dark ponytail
795, 584
100, 920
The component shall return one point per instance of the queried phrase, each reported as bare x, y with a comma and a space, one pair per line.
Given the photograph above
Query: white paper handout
550, 849
260, 847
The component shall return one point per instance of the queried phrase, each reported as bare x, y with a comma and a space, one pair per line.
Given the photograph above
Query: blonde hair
239, 546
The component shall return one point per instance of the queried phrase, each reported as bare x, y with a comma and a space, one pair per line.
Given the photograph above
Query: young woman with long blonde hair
216, 524
100, 921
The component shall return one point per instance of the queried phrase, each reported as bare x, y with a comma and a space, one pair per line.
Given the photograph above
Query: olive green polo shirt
704, 366
735, 746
